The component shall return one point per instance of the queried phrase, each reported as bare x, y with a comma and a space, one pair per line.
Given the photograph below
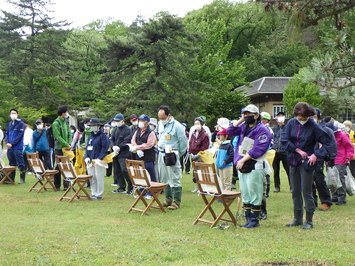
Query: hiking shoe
324, 207
114, 185
99, 198
174, 206
166, 204
130, 192
120, 190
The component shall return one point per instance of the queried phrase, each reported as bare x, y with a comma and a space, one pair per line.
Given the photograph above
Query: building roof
265, 85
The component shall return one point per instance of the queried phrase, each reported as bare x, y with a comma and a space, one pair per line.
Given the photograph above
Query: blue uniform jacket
14, 134
97, 146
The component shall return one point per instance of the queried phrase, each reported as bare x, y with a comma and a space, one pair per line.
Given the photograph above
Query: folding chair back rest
36, 165
137, 172
206, 178
66, 167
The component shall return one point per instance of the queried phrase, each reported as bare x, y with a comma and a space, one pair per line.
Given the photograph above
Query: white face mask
135, 123
40, 127
281, 119
198, 127
86, 126
95, 128
119, 124
302, 122
72, 131
141, 124
164, 122
66, 115
13, 117
114, 124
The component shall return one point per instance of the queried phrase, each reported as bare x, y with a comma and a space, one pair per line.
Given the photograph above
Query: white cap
223, 122
251, 108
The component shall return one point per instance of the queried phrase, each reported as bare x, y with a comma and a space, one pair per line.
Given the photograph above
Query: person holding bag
299, 139
253, 143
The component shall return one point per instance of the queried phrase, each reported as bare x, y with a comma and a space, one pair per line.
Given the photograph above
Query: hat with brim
251, 108
118, 117
144, 117
223, 132
95, 121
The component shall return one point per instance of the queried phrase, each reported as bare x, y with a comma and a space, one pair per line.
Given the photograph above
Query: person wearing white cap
253, 143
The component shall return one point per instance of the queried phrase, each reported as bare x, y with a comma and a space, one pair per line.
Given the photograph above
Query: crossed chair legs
226, 201
155, 194
43, 181
81, 187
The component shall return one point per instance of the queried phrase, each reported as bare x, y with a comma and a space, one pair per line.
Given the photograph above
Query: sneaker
277, 190
130, 192
324, 207
93, 197
114, 185
174, 206
99, 198
120, 190
148, 197
194, 191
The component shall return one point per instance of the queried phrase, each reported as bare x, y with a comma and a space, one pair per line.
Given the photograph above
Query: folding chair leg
208, 207
226, 207
155, 195
140, 197
81, 185
35, 184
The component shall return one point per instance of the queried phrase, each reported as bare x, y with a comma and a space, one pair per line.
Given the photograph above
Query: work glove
140, 153
87, 160
116, 149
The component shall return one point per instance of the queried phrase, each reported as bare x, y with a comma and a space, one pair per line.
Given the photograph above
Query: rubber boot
22, 177
177, 191
254, 217
297, 220
168, 196
308, 224
247, 209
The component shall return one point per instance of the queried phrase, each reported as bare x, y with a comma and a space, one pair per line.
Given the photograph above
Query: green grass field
38, 229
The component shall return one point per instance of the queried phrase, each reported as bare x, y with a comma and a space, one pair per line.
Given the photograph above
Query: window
278, 108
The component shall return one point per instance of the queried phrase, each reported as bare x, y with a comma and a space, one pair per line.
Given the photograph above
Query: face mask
13, 117
114, 124
95, 128
119, 124
135, 123
72, 131
198, 127
302, 122
281, 119
39, 127
152, 127
141, 124
250, 120
86, 126
164, 122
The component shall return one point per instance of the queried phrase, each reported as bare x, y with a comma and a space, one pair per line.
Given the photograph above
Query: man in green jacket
61, 134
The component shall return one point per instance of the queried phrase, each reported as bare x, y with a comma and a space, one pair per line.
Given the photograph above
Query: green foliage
298, 91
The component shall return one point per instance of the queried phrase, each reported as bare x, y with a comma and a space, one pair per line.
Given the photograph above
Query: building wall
265, 103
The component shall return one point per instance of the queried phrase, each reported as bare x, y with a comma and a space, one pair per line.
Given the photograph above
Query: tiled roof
266, 85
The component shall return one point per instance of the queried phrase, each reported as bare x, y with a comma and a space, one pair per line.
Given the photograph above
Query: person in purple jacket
254, 140
299, 139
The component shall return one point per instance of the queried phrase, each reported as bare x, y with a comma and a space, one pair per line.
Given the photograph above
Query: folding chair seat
140, 179
76, 182
42, 175
5, 173
208, 184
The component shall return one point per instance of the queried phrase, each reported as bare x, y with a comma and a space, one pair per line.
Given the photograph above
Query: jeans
15, 158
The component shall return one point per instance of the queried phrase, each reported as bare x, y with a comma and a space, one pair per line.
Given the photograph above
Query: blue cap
332, 126
144, 117
118, 117
107, 125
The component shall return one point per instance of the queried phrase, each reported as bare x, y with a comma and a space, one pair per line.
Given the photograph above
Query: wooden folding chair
42, 175
140, 179
208, 185
76, 182
5, 173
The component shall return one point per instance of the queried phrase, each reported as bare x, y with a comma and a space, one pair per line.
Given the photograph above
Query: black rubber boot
22, 177
297, 220
254, 217
308, 224
247, 209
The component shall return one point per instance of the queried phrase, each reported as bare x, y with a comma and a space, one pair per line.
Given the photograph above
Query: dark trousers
187, 166
280, 157
320, 185
109, 170
301, 183
15, 158
150, 168
45, 156
339, 194
57, 177
352, 168
120, 173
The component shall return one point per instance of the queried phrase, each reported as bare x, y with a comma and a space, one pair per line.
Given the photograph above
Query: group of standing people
304, 144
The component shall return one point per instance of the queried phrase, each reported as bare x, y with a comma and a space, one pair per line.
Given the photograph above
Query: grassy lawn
38, 229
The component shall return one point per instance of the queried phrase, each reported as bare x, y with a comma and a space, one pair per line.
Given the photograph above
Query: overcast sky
81, 12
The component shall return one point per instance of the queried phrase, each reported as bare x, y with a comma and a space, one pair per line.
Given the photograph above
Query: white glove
116, 149
140, 153
87, 160
132, 148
